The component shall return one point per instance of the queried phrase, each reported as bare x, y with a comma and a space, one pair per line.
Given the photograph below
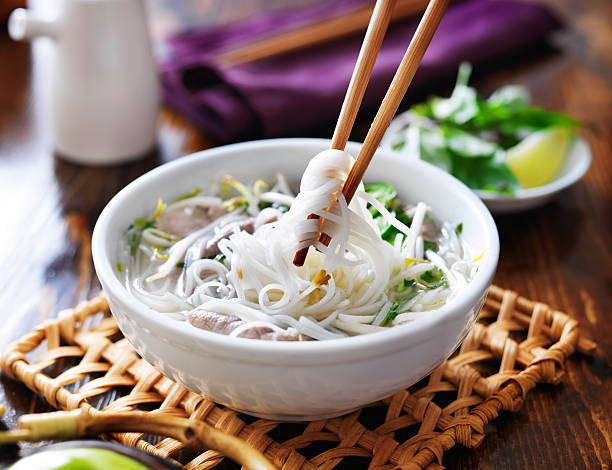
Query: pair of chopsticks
359, 80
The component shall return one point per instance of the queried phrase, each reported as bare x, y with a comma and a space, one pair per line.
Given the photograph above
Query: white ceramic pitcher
104, 89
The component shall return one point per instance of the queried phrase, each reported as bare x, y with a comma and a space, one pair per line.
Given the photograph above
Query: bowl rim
423, 328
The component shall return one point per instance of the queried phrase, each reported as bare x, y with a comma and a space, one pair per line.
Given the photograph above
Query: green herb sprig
467, 135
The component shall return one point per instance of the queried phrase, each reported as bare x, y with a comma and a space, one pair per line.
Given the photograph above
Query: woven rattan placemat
80, 360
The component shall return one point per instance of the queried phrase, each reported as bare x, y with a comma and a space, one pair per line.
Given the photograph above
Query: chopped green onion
427, 245
434, 278
391, 314
433, 275
401, 287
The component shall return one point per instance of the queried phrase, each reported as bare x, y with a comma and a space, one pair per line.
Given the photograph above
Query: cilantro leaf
433, 149
467, 145
384, 193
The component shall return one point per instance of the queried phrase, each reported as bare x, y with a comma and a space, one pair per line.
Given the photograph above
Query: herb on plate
496, 144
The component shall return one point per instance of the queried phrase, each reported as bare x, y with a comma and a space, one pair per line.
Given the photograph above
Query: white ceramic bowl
287, 380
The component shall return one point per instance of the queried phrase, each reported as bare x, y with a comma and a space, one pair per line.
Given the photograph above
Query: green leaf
434, 278
468, 145
433, 149
409, 288
390, 232
401, 287
383, 225
462, 105
386, 194
534, 119
427, 245
459, 229
431, 276
460, 108
391, 314
398, 145
383, 192
466, 135
515, 123
486, 174
510, 96
424, 109
261, 205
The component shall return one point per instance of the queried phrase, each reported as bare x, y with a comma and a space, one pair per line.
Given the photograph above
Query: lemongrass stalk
62, 425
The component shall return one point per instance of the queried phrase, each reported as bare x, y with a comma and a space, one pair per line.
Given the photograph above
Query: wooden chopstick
363, 69
357, 86
405, 72
315, 34
403, 76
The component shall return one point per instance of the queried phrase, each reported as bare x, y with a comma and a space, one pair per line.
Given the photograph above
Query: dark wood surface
560, 254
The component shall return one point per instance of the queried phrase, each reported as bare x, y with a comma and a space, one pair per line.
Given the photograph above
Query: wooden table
560, 254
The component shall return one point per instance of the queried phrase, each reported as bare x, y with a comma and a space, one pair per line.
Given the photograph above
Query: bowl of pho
196, 258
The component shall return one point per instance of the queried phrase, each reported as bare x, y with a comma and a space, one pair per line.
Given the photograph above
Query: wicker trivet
84, 362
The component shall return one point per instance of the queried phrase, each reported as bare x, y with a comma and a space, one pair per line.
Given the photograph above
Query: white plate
576, 165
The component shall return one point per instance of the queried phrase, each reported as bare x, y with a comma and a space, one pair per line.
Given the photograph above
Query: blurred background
213, 73
251, 95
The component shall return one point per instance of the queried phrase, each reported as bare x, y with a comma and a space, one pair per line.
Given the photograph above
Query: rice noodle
344, 288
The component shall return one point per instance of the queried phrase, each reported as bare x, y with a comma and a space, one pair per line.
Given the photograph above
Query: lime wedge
537, 159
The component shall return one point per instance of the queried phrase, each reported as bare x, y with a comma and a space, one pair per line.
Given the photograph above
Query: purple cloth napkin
287, 96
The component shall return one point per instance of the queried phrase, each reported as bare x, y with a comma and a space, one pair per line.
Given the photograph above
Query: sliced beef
267, 334
182, 221
225, 324
211, 247
429, 230
213, 321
